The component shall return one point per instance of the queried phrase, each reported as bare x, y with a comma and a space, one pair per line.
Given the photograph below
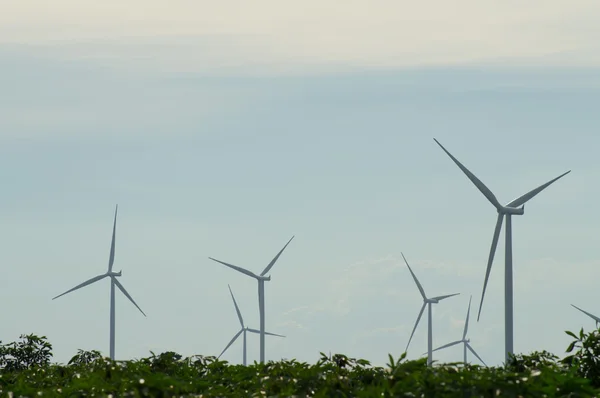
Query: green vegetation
26, 371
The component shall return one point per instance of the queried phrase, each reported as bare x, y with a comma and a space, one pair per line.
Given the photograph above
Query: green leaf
570, 334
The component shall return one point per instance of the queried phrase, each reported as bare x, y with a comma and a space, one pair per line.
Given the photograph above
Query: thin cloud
297, 309
291, 325
389, 330
290, 38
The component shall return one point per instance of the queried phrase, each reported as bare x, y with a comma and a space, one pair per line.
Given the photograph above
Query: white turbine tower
113, 281
594, 317
426, 302
516, 207
464, 340
244, 329
261, 292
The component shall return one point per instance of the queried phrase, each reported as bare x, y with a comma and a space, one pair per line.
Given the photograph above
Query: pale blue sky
231, 158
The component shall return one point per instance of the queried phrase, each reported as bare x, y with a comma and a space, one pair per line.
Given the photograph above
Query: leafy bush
585, 357
88, 373
85, 358
534, 361
31, 351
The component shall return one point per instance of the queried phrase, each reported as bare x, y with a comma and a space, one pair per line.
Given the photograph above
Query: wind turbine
113, 281
261, 292
516, 207
244, 329
426, 302
594, 317
464, 339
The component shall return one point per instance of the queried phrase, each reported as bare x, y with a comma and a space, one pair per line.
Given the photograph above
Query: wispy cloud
297, 309
287, 37
290, 325
379, 279
361, 280
377, 331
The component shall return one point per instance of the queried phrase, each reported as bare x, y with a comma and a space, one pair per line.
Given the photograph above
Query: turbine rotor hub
516, 211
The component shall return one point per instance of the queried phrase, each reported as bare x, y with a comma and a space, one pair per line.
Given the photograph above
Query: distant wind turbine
261, 292
464, 339
594, 317
244, 329
113, 281
516, 207
426, 302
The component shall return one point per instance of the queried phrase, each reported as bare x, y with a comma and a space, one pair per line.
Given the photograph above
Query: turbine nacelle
506, 210
426, 301
243, 330
261, 278
437, 299
515, 207
465, 341
114, 283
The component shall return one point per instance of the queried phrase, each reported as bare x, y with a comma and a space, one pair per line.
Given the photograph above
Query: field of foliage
26, 370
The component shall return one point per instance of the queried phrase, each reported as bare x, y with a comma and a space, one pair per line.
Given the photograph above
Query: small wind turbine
244, 329
594, 317
464, 339
426, 302
516, 207
261, 292
113, 281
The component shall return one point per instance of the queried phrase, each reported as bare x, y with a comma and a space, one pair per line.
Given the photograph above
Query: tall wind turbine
426, 302
464, 339
261, 292
113, 281
244, 329
516, 207
594, 317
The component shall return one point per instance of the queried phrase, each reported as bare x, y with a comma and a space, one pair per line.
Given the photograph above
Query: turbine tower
594, 317
464, 339
261, 292
516, 207
426, 302
244, 329
113, 282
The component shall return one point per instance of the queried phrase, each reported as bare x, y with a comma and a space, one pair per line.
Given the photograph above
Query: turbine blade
272, 263
491, 259
480, 185
258, 332
594, 317
415, 278
447, 345
230, 343
111, 259
122, 289
474, 353
529, 195
467, 320
235, 267
88, 282
440, 298
274, 334
239, 314
416, 324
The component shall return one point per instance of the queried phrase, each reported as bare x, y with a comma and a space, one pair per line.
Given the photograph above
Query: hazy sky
224, 129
